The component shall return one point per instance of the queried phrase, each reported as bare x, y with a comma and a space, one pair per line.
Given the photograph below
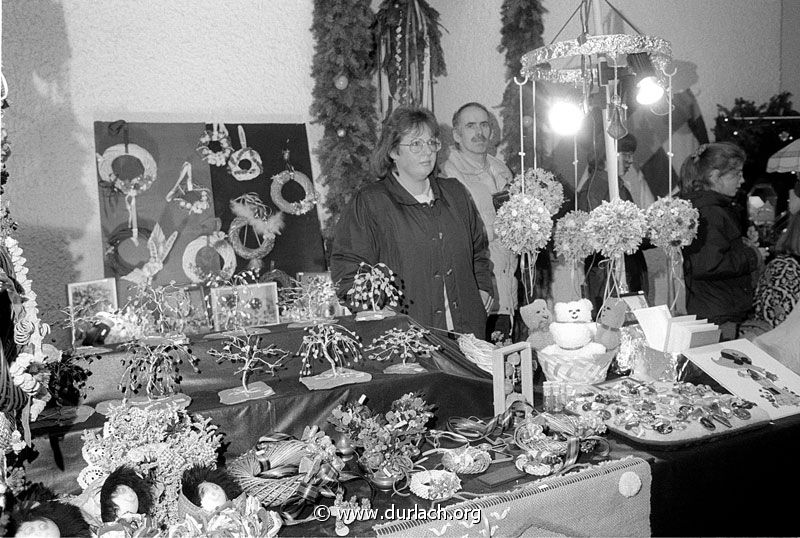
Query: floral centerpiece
387, 443
159, 443
672, 224
613, 229
542, 185
570, 239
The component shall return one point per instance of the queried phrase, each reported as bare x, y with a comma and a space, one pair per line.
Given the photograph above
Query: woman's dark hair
402, 121
789, 241
697, 168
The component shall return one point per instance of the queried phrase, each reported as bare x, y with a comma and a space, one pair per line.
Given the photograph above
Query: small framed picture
189, 307
85, 300
234, 307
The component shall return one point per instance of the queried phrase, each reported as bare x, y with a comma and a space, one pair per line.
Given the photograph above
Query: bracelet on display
112, 256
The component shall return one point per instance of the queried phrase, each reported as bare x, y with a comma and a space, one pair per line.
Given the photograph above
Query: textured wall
72, 62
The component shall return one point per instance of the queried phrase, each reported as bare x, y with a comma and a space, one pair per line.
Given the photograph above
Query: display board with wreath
235, 196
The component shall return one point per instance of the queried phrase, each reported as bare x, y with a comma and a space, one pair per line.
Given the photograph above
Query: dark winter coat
718, 266
429, 246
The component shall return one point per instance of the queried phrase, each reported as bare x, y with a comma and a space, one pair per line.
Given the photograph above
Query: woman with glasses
718, 266
426, 229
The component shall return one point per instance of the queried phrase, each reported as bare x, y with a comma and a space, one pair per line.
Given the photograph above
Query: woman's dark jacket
717, 266
429, 246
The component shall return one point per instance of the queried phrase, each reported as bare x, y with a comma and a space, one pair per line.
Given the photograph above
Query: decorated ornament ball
341, 82
340, 133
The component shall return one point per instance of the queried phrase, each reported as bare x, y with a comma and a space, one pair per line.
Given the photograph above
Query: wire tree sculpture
405, 344
331, 342
312, 299
374, 287
154, 364
246, 352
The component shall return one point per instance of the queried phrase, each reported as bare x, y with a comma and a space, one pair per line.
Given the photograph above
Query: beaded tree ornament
245, 163
335, 344
300, 207
199, 204
374, 287
108, 168
252, 214
215, 145
406, 344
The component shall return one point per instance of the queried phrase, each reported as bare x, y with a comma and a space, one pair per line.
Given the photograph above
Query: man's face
473, 131
625, 162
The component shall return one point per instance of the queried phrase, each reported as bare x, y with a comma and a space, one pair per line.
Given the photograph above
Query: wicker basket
587, 371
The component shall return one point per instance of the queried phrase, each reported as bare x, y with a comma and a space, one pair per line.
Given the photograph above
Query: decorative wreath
200, 204
245, 155
251, 212
265, 245
216, 241
131, 188
218, 134
113, 259
295, 208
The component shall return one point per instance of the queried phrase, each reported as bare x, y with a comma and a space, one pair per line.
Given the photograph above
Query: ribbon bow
159, 246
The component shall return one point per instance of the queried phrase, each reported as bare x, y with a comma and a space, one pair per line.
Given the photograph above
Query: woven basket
271, 492
587, 371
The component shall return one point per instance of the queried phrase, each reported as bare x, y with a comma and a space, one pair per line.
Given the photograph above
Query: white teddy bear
573, 330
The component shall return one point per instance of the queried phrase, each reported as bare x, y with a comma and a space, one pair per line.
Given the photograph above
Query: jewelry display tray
694, 434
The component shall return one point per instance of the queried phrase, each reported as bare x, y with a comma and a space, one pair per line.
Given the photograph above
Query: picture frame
195, 312
251, 305
85, 299
500, 361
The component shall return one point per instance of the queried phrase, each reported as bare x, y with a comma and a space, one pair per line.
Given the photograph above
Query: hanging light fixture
565, 117
648, 89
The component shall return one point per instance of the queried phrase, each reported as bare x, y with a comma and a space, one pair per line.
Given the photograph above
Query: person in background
485, 175
718, 265
591, 195
424, 228
778, 288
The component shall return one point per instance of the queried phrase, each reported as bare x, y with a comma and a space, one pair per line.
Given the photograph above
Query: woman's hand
488, 300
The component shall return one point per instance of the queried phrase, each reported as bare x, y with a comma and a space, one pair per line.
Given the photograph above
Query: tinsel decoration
344, 46
409, 42
521, 31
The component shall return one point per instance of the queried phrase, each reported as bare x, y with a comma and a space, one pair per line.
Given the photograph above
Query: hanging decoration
410, 52
159, 246
341, 82
245, 163
251, 213
344, 45
130, 187
197, 206
290, 174
198, 269
215, 145
521, 31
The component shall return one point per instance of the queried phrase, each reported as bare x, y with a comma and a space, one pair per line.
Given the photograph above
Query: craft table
732, 486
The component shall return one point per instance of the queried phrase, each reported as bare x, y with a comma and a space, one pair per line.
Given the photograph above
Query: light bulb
649, 91
565, 118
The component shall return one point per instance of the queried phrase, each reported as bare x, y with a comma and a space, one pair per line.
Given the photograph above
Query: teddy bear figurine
609, 321
573, 327
537, 318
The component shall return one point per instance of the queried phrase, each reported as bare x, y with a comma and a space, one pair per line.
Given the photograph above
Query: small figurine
537, 318
49, 519
124, 495
209, 488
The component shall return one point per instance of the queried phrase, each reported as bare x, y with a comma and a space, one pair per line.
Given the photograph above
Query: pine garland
344, 48
521, 32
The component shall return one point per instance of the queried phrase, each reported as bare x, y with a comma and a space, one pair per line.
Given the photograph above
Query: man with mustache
484, 175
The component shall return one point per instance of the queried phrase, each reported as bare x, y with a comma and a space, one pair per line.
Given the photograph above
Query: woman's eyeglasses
416, 146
